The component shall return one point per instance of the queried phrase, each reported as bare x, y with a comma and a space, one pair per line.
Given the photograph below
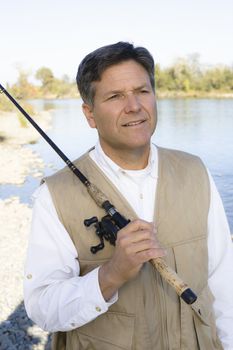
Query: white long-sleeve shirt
58, 299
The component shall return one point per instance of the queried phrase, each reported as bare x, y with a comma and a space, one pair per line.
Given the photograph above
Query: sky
59, 33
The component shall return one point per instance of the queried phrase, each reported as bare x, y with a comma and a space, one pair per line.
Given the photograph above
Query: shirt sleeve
56, 297
220, 249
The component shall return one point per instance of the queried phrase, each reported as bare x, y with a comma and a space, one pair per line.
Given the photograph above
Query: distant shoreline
194, 94
159, 95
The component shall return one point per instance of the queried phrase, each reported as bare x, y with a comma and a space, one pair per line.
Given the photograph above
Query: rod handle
174, 280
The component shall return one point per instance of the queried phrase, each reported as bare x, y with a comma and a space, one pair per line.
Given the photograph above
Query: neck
129, 159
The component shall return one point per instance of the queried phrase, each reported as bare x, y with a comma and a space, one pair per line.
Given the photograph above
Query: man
115, 299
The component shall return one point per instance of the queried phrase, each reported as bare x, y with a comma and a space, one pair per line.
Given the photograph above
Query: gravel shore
17, 332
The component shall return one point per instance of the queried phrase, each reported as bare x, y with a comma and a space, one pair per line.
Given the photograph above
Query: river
200, 126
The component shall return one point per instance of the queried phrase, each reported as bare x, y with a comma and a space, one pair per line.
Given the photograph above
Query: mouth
134, 123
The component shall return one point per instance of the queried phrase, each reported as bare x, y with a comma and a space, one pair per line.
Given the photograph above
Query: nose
132, 103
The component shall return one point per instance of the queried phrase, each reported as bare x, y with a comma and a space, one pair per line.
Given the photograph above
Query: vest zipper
163, 313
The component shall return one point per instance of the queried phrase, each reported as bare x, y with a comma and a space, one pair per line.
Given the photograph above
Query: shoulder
42, 200
188, 168
178, 156
66, 172
41, 193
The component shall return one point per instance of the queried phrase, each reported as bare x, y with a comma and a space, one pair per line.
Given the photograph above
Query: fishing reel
106, 229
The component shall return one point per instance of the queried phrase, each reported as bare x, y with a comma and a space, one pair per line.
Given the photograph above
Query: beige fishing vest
148, 314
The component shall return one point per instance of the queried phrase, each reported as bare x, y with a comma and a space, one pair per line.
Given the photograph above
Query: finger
127, 240
142, 245
138, 225
137, 229
149, 254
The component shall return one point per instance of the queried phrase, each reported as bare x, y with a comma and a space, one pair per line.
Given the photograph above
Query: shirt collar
107, 163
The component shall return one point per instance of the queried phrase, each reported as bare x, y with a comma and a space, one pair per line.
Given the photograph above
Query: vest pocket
111, 330
204, 321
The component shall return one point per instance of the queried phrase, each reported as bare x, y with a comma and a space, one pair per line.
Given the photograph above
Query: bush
5, 104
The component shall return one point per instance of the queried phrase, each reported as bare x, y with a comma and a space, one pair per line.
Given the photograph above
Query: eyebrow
113, 92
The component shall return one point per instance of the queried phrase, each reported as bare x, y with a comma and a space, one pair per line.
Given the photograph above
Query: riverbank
194, 94
17, 162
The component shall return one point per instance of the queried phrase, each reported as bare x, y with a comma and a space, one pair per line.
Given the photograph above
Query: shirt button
72, 324
98, 308
141, 196
29, 276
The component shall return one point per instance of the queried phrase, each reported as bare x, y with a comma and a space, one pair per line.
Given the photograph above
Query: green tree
45, 75
23, 89
217, 78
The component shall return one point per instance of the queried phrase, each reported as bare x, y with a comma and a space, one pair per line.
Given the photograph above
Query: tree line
186, 77
189, 76
48, 85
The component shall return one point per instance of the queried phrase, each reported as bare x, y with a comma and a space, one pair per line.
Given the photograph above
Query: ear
88, 112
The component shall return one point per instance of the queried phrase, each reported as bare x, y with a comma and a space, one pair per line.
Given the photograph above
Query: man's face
124, 110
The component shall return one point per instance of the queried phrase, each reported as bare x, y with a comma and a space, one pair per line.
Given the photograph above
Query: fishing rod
111, 223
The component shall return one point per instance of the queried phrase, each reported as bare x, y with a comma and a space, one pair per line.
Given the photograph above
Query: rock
17, 331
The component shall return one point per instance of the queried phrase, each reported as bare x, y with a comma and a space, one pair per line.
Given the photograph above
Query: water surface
201, 126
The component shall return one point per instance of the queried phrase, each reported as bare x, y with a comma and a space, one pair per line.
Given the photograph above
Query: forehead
123, 75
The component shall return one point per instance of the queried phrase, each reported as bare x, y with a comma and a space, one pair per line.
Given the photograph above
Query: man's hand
136, 244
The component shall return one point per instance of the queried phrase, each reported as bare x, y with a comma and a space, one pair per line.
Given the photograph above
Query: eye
115, 97
144, 91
